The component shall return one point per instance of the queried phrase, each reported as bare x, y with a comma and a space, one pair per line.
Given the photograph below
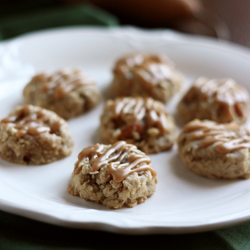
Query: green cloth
52, 17
21, 233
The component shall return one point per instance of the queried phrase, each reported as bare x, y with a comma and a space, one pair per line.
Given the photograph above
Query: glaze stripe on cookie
118, 158
225, 136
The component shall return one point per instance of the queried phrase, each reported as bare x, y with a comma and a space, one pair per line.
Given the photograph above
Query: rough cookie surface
115, 175
143, 122
220, 100
147, 76
69, 93
32, 135
215, 150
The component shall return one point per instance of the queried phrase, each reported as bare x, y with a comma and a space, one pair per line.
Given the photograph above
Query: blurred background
226, 19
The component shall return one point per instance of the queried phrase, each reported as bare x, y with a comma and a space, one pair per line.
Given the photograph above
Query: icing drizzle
225, 92
33, 124
145, 111
61, 82
227, 138
119, 159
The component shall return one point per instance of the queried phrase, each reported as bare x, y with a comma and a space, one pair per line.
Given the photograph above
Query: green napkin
18, 233
54, 17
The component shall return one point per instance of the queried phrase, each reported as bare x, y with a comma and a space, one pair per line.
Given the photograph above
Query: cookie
220, 100
115, 175
146, 75
32, 135
215, 150
69, 93
143, 122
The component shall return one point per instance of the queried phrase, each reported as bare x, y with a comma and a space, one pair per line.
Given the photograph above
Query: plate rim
167, 34
127, 30
139, 230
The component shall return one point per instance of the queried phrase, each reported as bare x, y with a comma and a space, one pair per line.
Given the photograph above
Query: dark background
235, 14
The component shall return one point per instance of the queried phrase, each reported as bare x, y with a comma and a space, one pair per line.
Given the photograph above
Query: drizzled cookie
69, 93
220, 100
146, 75
115, 175
215, 150
143, 122
32, 135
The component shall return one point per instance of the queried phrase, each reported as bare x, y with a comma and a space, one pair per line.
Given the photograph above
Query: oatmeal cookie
115, 175
220, 100
147, 76
215, 150
69, 93
32, 135
143, 122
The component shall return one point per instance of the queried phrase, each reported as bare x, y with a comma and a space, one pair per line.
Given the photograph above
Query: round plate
183, 202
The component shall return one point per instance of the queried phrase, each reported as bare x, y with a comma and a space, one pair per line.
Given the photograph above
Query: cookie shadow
107, 92
186, 175
96, 136
178, 120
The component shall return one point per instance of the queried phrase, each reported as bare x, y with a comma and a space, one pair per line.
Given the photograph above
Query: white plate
183, 202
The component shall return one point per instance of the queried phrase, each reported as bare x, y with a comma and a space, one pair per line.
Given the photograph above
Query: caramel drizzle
119, 163
155, 66
152, 74
224, 91
138, 108
32, 124
62, 82
225, 135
